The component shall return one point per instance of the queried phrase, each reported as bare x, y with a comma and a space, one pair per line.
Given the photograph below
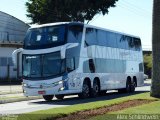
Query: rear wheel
60, 97
48, 97
95, 89
127, 89
85, 91
103, 93
133, 86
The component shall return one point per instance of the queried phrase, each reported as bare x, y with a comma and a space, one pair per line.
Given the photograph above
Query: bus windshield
44, 37
41, 66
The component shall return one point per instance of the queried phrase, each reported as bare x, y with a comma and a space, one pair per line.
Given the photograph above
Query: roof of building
14, 17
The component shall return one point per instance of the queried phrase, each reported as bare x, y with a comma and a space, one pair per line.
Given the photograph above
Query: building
12, 33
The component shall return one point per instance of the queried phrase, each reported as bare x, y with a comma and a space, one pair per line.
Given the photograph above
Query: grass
64, 111
151, 110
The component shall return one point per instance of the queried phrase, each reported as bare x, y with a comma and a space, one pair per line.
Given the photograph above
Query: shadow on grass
76, 100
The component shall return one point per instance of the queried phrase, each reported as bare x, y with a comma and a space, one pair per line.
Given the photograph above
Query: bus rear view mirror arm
14, 56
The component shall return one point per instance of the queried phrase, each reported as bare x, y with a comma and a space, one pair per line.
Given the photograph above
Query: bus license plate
41, 92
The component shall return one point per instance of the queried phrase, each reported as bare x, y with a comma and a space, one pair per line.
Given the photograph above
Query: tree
47, 11
155, 87
147, 64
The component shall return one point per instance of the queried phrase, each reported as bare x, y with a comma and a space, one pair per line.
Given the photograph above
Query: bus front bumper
43, 90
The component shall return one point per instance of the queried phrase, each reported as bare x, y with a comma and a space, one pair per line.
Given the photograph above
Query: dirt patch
83, 115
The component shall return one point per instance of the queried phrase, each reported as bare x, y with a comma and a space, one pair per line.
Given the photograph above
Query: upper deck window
74, 34
45, 37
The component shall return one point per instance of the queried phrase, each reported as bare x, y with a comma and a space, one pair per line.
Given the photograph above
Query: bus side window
90, 38
75, 34
70, 64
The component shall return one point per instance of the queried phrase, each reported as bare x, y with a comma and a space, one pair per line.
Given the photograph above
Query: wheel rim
96, 88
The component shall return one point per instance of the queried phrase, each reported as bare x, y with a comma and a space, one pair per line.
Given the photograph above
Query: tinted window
111, 38
91, 38
121, 41
45, 37
137, 43
43, 66
134, 43
101, 38
130, 43
75, 34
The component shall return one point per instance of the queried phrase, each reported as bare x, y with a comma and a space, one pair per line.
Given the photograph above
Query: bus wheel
48, 97
103, 92
95, 89
60, 97
133, 86
85, 91
127, 89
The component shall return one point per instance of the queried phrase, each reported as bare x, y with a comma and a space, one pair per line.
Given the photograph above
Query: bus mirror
15, 56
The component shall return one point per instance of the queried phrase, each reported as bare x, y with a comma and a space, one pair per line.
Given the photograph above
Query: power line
137, 7
134, 10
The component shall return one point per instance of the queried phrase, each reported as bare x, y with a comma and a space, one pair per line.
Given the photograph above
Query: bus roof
79, 23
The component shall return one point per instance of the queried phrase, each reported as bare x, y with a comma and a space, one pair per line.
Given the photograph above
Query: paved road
34, 105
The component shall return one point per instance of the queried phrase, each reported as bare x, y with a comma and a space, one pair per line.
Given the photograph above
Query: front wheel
48, 97
85, 91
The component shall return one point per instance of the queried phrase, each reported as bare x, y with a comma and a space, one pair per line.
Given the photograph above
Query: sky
129, 16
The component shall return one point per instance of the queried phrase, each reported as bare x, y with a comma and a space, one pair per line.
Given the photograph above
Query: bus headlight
61, 89
24, 85
60, 82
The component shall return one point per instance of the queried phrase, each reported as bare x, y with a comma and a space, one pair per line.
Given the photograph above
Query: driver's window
70, 64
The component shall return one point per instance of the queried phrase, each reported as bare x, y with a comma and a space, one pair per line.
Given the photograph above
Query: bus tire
133, 86
122, 90
60, 97
48, 97
85, 90
127, 89
103, 92
95, 90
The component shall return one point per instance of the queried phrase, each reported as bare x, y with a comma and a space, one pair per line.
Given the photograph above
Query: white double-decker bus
61, 59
